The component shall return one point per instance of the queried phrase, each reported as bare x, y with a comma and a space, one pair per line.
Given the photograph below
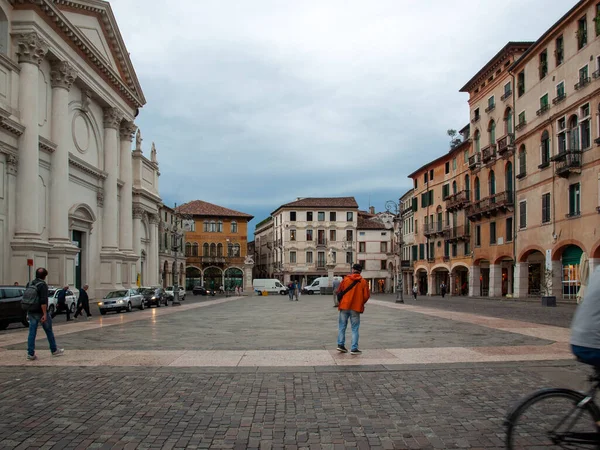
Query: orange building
441, 251
216, 246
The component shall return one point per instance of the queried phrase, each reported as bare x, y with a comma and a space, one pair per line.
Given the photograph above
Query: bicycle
556, 418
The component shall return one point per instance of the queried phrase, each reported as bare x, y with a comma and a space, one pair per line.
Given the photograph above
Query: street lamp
177, 235
396, 209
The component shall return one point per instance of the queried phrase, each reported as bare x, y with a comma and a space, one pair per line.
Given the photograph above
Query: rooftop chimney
372, 209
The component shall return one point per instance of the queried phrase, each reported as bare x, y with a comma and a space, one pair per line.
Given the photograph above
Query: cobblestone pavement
406, 391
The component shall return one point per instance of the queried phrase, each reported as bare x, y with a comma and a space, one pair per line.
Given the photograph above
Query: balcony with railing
559, 98
458, 233
596, 74
490, 206
568, 162
583, 82
321, 242
490, 108
488, 154
542, 110
505, 143
522, 124
474, 161
457, 201
434, 228
220, 260
475, 118
506, 95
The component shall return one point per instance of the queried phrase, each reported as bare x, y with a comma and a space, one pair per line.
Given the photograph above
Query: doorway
77, 239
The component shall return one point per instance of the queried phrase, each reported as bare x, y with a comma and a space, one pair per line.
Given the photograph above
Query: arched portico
421, 280
459, 279
566, 259
501, 276
440, 278
193, 277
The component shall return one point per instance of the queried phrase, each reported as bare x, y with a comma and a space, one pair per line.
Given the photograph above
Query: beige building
558, 158
171, 248
309, 234
73, 196
375, 251
264, 249
409, 248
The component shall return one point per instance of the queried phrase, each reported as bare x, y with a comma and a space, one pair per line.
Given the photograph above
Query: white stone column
138, 213
62, 76
125, 216
521, 279
112, 120
430, 283
31, 50
495, 280
153, 253
474, 281
248, 277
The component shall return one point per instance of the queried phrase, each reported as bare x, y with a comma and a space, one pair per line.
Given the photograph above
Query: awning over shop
571, 255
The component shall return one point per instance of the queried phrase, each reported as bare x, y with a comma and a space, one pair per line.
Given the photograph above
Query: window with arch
492, 131
205, 249
236, 250
508, 121
195, 249
476, 138
219, 249
213, 249
468, 186
454, 187
573, 133
545, 149
220, 226
206, 226
508, 178
522, 162
188, 249
492, 183
230, 249
234, 226
477, 189
166, 241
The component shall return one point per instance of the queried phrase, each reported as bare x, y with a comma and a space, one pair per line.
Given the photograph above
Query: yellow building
216, 245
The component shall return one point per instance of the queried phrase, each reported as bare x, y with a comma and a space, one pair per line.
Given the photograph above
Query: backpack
31, 297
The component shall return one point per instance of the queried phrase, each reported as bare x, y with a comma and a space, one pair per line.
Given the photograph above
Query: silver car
122, 300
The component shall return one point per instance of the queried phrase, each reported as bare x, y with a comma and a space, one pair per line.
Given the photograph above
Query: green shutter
431, 198
414, 252
571, 255
415, 204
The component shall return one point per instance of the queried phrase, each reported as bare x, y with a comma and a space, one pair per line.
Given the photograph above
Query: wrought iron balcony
431, 229
506, 95
474, 161
475, 119
596, 74
321, 242
407, 263
490, 108
489, 153
559, 98
583, 82
568, 162
213, 260
542, 110
457, 201
521, 125
459, 233
490, 206
505, 143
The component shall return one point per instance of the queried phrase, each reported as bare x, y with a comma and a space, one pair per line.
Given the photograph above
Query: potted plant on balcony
546, 288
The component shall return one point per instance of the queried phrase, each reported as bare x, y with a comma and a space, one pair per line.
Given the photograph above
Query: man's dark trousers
83, 304
61, 304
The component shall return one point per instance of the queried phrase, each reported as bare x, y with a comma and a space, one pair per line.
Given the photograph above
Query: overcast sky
254, 103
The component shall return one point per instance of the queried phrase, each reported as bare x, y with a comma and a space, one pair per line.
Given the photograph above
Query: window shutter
430, 197
415, 204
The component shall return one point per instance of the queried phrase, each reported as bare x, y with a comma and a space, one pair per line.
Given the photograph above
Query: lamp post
177, 235
396, 209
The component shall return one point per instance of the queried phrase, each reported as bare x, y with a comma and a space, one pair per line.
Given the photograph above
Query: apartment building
491, 173
264, 249
310, 233
409, 250
558, 158
442, 249
216, 247
375, 252
171, 247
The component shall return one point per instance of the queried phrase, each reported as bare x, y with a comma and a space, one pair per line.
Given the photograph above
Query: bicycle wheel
551, 418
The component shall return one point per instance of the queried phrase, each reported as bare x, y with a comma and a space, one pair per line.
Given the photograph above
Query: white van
271, 285
318, 283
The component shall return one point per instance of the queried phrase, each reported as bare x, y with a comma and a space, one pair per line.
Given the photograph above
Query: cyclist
585, 328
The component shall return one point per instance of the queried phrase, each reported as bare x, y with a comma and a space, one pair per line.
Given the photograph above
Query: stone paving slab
442, 407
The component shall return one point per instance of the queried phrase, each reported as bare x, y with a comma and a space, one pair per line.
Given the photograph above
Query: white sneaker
59, 352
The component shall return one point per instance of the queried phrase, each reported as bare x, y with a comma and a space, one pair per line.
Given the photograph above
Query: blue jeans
34, 320
354, 317
587, 355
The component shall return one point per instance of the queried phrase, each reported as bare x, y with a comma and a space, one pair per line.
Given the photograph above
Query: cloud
253, 104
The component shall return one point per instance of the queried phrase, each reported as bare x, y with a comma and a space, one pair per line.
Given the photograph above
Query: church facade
74, 196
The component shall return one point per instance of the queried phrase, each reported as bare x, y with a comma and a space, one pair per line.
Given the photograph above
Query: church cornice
145, 193
10, 125
130, 89
86, 167
46, 145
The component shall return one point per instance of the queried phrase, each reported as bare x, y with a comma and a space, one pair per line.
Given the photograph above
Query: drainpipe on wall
514, 176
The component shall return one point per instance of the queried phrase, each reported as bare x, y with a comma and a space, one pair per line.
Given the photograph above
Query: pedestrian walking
291, 291
296, 290
415, 290
61, 303
353, 294
443, 289
336, 285
83, 303
35, 302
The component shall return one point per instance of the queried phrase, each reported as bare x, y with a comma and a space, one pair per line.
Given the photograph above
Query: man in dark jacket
61, 303
39, 314
83, 303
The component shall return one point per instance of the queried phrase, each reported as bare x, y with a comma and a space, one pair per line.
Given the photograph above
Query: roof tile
322, 202
202, 208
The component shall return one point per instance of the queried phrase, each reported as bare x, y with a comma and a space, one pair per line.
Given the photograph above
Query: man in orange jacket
352, 305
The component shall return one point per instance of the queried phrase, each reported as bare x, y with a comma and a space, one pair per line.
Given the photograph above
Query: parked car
53, 300
121, 300
155, 296
10, 306
169, 292
201, 290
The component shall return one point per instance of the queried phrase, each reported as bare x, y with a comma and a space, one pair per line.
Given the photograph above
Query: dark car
154, 296
201, 290
10, 306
